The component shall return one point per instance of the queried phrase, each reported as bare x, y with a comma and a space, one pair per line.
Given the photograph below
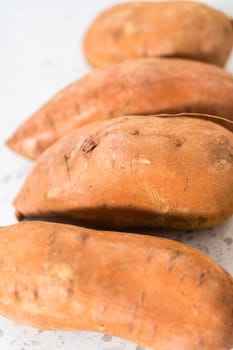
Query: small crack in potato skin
135, 172
156, 292
149, 86
178, 29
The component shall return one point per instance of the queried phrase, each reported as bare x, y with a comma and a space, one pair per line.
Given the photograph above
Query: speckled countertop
40, 52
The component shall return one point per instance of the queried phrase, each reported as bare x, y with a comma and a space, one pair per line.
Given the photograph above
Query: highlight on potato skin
153, 291
148, 86
167, 171
182, 29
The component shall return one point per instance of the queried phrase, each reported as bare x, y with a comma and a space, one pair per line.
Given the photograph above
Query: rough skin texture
148, 86
153, 291
141, 171
165, 29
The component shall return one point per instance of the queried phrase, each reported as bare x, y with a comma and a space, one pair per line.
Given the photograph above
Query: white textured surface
40, 52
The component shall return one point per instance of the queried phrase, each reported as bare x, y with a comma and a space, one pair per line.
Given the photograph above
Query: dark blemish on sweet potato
177, 142
202, 278
172, 260
70, 289
51, 238
16, 293
135, 132
201, 344
117, 33
51, 122
77, 108
227, 29
113, 114
186, 184
84, 237
88, 145
35, 293
94, 95
66, 158
57, 251
128, 105
223, 300
142, 297
113, 160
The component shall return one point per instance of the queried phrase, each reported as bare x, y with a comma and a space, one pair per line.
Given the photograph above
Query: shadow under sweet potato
125, 219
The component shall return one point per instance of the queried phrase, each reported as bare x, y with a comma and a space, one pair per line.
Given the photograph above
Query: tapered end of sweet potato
18, 145
33, 137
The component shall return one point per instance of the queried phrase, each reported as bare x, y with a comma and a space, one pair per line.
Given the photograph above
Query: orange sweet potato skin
141, 171
159, 29
138, 87
153, 291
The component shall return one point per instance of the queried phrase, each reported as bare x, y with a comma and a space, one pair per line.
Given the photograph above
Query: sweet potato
153, 291
159, 29
138, 87
141, 171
